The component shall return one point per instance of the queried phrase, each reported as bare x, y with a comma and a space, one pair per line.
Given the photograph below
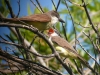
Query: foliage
77, 26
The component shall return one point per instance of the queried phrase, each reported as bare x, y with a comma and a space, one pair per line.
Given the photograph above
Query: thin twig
19, 8
64, 30
32, 41
72, 21
36, 6
40, 6
10, 43
10, 9
80, 71
58, 5
54, 4
74, 3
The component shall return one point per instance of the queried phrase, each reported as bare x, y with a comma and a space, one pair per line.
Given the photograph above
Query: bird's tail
87, 64
1, 17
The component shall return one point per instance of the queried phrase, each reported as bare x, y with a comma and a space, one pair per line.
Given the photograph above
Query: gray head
55, 17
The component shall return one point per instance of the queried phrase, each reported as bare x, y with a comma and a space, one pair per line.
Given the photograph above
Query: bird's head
55, 17
52, 32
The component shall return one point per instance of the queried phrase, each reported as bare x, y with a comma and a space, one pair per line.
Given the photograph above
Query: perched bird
40, 21
64, 48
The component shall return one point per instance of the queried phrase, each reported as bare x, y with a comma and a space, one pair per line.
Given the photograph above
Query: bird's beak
62, 21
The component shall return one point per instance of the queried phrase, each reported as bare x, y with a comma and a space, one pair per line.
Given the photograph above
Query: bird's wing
63, 43
36, 17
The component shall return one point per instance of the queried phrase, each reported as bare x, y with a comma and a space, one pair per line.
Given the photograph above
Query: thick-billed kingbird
40, 21
64, 48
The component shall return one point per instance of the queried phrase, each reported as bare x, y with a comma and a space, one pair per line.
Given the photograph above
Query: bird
64, 48
40, 21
